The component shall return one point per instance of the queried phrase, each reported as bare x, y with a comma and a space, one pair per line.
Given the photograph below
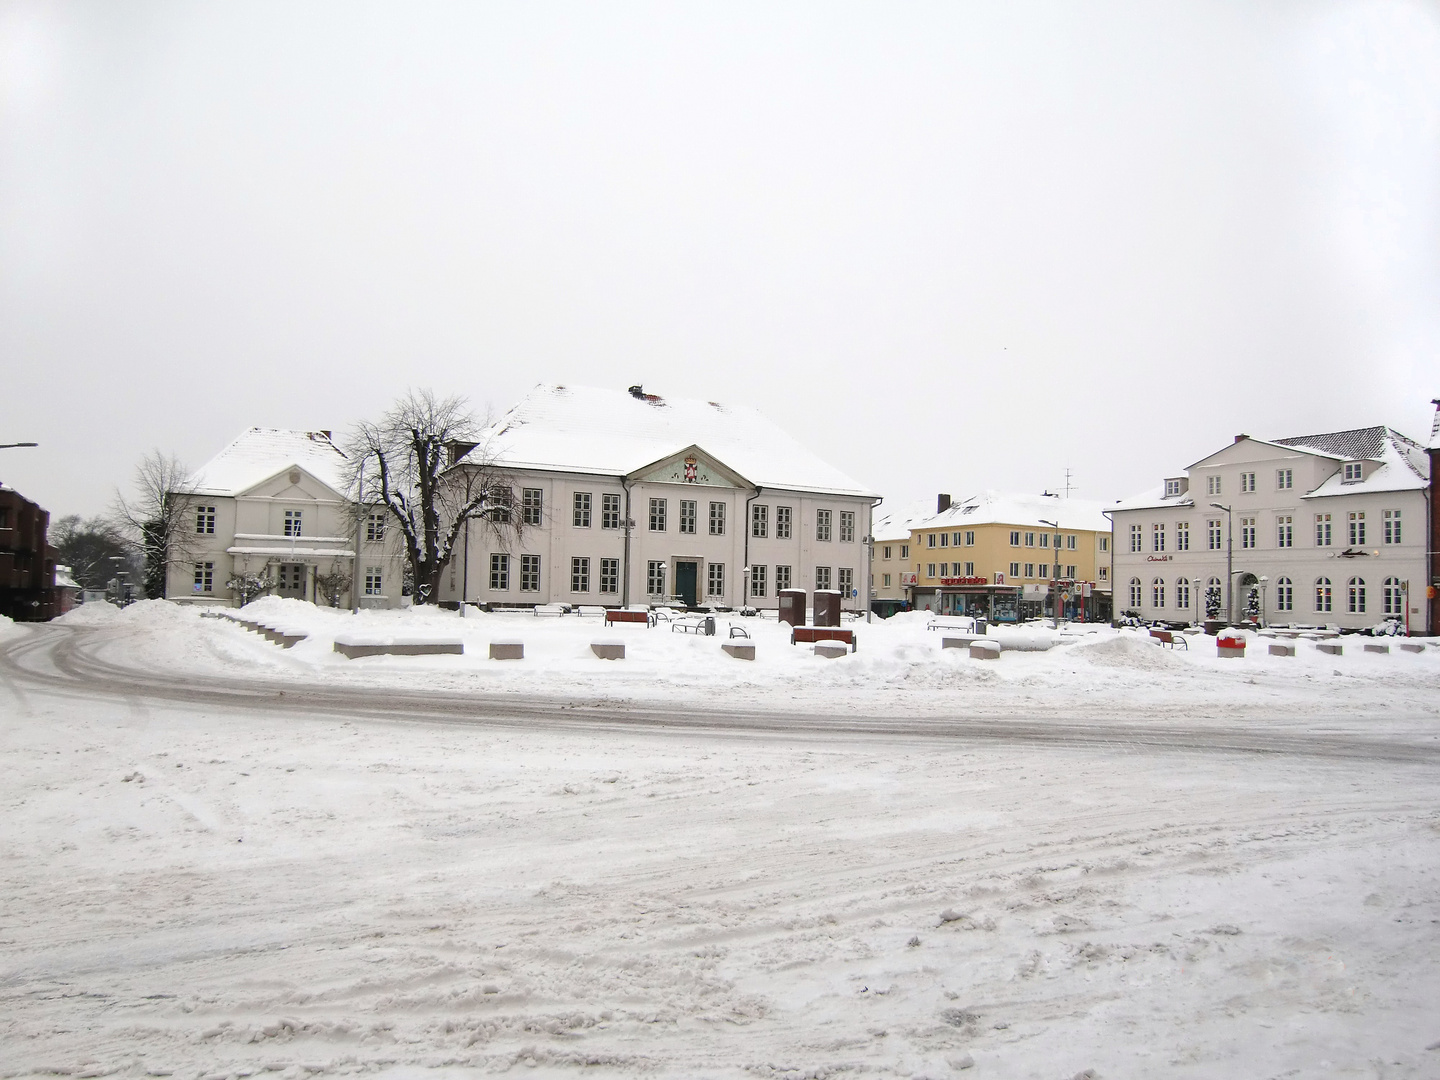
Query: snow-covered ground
223, 888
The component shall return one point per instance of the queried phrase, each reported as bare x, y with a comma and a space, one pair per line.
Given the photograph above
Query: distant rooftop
260, 453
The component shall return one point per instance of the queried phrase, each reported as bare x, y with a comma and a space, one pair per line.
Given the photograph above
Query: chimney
942, 503
637, 391
1241, 438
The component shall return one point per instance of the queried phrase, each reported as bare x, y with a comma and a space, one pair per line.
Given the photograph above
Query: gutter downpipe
870, 563
745, 566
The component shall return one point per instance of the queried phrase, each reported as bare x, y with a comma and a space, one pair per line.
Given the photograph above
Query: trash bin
709, 625
981, 624
827, 607
792, 606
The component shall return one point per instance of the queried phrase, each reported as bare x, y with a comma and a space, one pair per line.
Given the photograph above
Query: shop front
979, 597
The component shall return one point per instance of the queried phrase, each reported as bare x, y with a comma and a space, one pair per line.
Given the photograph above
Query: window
1392, 600
1284, 531
1392, 526
904, 551
715, 577
204, 577
1357, 528
969, 569
1247, 532
1104, 573
655, 576
1322, 594
1069, 573
887, 580
955, 539
760, 525
1354, 471
847, 527
499, 501
1172, 488
609, 575
1029, 539
374, 581
944, 539
1322, 530
1284, 593
609, 512
929, 539
689, 511
1157, 537
1044, 540
757, 580
1182, 593
1014, 569
1212, 531
1056, 574
529, 573
944, 569
1104, 543
782, 525
657, 515
532, 505
1014, 537
887, 551
1136, 538
1182, 536
782, 573
205, 519
375, 528
969, 537
1029, 569
1355, 596
499, 573
1247, 481
930, 570
579, 575
846, 580
1070, 543
581, 518
1157, 592
822, 526
1136, 593
822, 577
1212, 485
717, 519
1284, 479
293, 522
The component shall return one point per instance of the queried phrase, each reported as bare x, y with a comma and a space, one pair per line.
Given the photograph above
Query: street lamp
1055, 598
1229, 566
14, 445
1263, 582
745, 586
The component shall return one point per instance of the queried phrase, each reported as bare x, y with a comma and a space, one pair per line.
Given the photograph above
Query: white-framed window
1104, 543
1172, 488
1014, 537
655, 577
1030, 538
1323, 594
760, 523
294, 520
944, 569
1137, 539
757, 580
532, 505
375, 527
969, 569
930, 540
579, 574
887, 553
1137, 593
1014, 569
1044, 540
1157, 537
847, 527
1354, 471
969, 537
1247, 481
955, 539
609, 575
204, 577
904, 551
930, 570
1391, 520
1157, 592
1247, 532
1357, 528
499, 572
715, 579
1182, 593
1392, 597
782, 574
609, 511
374, 581
205, 519
1072, 543
689, 512
1182, 536
1355, 596
1104, 573
1322, 530
717, 519
944, 539
782, 526
1069, 573
580, 516
1284, 479
1029, 569
1285, 531
529, 573
1212, 485
1212, 533
845, 578
822, 577
886, 585
1284, 594
822, 526
658, 511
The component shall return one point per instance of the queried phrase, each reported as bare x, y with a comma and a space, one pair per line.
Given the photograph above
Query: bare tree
251, 585
154, 517
94, 550
332, 585
404, 463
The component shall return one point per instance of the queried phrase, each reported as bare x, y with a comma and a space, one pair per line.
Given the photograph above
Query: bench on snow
812, 634
619, 615
542, 610
355, 645
1167, 637
951, 622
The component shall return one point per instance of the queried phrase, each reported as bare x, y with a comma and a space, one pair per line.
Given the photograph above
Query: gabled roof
581, 429
1353, 445
1152, 499
995, 508
896, 525
260, 453
1404, 465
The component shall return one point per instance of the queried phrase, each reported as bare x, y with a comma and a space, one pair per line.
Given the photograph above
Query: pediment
293, 482
693, 467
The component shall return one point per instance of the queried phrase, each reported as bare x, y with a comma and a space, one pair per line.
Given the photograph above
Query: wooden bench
1167, 637
616, 615
811, 634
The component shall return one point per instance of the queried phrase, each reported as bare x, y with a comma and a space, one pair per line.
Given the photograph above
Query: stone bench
831, 649
985, 650
1330, 648
1411, 646
1373, 646
961, 641
1281, 649
507, 650
739, 652
355, 646
608, 650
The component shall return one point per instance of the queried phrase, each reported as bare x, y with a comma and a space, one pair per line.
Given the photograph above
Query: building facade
1317, 529
626, 498
891, 572
27, 561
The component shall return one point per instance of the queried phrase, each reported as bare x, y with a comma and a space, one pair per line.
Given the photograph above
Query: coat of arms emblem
691, 470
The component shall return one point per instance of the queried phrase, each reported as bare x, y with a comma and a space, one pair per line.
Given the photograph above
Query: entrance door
686, 576
290, 580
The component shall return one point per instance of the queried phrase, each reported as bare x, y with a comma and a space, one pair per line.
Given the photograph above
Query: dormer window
1354, 471
1172, 488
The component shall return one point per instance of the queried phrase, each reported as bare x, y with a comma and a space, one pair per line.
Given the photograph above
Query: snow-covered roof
585, 429
995, 508
896, 525
1151, 499
1404, 465
260, 453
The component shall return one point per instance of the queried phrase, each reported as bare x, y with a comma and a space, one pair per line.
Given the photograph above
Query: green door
685, 576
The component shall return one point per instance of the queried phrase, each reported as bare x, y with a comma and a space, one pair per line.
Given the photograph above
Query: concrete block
740, 652
360, 645
1330, 648
507, 650
960, 642
1221, 650
831, 649
984, 650
608, 650
1375, 646
1411, 646
1281, 650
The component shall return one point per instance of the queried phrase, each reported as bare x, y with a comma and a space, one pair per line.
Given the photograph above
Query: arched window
1355, 596
1136, 593
1322, 594
1182, 593
1157, 592
1284, 595
1393, 601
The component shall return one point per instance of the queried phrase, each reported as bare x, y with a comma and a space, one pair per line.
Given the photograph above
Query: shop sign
964, 581
909, 577
1157, 558
999, 578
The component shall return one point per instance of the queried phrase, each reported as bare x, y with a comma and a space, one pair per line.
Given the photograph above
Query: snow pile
1130, 652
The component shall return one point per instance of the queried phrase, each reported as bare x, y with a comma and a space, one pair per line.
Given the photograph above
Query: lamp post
1263, 582
1229, 566
1055, 589
16, 445
745, 586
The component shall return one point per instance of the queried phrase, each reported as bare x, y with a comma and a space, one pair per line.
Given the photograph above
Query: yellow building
1007, 557
891, 572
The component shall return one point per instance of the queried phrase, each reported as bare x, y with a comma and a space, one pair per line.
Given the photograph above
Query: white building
1329, 529
274, 502
623, 497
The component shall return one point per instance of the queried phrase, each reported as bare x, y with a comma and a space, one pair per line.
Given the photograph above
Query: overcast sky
949, 246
